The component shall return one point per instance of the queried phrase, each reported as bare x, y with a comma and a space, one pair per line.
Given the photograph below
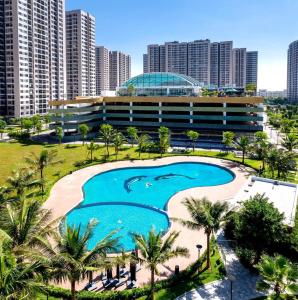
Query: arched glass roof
160, 79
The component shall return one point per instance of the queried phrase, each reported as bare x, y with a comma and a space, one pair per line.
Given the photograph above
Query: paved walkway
244, 286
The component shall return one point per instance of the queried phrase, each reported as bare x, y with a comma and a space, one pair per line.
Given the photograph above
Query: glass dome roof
160, 79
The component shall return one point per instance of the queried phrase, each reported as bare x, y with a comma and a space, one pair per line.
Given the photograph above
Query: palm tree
73, 261
83, 129
261, 149
242, 143
59, 133
271, 159
164, 139
107, 133
279, 275
19, 280
118, 141
204, 214
227, 139
21, 180
42, 160
91, 148
155, 250
285, 163
193, 136
143, 140
132, 133
290, 141
28, 225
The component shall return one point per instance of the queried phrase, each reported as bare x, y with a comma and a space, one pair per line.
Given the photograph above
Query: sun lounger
132, 285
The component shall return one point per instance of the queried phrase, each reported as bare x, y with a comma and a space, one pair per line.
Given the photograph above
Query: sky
268, 26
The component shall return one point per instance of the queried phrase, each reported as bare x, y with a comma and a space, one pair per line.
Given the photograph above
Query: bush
19, 135
246, 256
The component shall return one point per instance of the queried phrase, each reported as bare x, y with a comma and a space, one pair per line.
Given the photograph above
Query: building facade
163, 105
102, 67
252, 68
145, 63
239, 68
32, 63
210, 63
80, 54
292, 78
199, 61
120, 68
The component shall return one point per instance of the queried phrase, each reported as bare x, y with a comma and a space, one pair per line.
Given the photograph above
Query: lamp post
231, 279
199, 247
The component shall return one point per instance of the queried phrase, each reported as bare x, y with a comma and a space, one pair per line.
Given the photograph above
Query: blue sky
264, 25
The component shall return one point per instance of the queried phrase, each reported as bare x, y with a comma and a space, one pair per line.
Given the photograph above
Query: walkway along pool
134, 199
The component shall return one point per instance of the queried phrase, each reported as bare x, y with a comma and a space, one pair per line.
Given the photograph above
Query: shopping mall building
151, 100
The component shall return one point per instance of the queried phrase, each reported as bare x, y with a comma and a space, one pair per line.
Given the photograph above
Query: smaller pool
119, 216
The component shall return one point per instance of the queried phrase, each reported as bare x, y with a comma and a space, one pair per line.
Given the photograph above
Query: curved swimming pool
134, 199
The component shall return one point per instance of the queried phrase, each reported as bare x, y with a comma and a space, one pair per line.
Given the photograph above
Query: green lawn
12, 157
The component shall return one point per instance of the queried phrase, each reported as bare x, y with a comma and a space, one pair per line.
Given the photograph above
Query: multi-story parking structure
162, 107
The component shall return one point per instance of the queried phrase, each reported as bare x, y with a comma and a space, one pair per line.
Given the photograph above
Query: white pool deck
282, 195
67, 194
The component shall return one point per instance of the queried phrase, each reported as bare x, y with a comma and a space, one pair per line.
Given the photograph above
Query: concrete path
243, 286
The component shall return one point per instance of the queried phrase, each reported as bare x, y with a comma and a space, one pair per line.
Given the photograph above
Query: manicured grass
12, 156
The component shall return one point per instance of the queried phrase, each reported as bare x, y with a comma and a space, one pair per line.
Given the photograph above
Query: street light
231, 279
199, 247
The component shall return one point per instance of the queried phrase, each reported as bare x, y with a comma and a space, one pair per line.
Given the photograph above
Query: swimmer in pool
148, 184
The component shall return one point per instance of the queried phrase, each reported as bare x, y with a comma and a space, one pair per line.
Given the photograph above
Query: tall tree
143, 141
22, 180
107, 133
59, 133
83, 129
193, 136
290, 141
154, 250
41, 161
272, 159
164, 139
261, 136
132, 133
73, 261
91, 148
227, 139
28, 225
278, 275
204, 215
242, 143
118, 141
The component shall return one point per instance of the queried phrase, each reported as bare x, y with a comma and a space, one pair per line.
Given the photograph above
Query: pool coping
67, 194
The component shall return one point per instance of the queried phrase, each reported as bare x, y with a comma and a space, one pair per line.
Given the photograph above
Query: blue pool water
122, 198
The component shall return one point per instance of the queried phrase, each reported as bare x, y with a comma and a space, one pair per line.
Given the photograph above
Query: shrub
246, 256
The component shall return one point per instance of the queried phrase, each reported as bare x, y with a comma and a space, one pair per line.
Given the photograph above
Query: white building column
104, 111
130, 111
191, 112
160, 111
224, 114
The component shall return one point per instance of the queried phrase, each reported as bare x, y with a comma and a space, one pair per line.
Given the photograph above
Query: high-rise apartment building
239, 67
102, 67
292, 80
212, 64
145, 63
120, 68
252, 68
176, 57
225, 63
80, 54
32, 58
199, 61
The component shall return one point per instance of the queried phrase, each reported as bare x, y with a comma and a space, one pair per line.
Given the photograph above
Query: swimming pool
135, 199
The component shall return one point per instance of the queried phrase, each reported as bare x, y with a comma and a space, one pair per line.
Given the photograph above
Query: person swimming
148, 184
